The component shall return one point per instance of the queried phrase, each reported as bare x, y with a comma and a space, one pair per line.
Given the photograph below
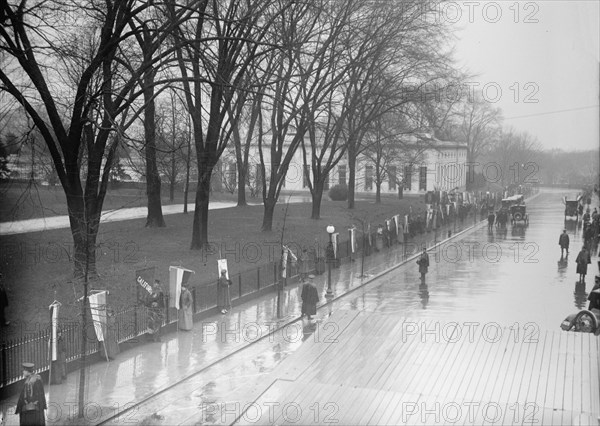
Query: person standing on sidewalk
32, 400
186, 321
304, 266
583, 260
223, 295
156, 306
310, 298
423, 263
563, 242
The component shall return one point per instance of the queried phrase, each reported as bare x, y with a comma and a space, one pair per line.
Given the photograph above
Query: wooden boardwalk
371, 368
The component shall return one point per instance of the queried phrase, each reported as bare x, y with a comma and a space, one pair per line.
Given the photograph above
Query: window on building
392, 178
407, 178
342, 174
368, 178
305, 174
423, 178
232, 175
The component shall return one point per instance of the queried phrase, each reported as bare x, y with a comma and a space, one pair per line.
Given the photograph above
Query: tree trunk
84, 238
351, 177
155, 217
241, 188
200, 227
187, 176
377, 192
269, 209
317, 196
173, 180
400, 191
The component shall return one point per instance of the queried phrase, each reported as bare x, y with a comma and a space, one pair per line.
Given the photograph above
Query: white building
435, 165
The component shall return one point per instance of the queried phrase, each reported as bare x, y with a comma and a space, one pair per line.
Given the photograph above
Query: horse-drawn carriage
515, 206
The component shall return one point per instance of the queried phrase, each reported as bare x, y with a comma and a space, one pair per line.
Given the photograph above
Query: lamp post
330, 256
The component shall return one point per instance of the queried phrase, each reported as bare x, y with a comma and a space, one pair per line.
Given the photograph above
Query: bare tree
223, 42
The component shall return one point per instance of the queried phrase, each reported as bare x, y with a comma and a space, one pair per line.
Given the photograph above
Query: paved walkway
136, 375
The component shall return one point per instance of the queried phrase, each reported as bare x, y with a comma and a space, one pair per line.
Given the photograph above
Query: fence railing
132, 322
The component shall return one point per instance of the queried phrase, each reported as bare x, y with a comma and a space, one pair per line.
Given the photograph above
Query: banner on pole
54, 307
98, 309
334, 239
178, 277
284, 259
222, 264
351, 233
145, 278
369, 235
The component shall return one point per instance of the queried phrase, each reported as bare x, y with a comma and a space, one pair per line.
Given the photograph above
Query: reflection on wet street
512, 276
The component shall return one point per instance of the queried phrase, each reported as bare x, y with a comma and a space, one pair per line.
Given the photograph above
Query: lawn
38, 270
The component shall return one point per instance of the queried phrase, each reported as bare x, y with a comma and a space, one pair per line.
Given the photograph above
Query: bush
338, 193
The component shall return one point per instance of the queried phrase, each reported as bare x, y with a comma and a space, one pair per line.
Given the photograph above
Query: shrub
338, 193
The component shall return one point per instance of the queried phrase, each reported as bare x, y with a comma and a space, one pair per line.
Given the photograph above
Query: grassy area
37, 265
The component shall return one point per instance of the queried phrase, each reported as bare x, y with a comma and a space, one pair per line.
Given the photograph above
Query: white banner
284, 258
369, 235
351, 232
334, 238
397, 223
222, 264
54, 307
98, 309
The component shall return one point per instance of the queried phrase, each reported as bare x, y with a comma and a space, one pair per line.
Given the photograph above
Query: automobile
584, 321
515, 205
572, 207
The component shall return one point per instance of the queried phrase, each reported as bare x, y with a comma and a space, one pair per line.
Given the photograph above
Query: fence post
3, 378
167, 309
194, 299
240, 285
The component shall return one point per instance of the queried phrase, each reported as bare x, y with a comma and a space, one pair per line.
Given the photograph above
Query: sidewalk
142, 371
59, 222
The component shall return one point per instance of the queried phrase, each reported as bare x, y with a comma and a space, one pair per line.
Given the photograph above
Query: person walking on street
32, 400
583, 260
563, 242
186, 321
423, 263
223, 296
491, 219
310, 298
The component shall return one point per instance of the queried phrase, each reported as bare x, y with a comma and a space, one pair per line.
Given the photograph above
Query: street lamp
330, 257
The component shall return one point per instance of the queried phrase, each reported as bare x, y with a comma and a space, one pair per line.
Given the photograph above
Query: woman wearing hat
32, 401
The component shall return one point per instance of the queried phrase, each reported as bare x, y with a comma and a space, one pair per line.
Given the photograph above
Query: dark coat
563, 240
223, 296
33, 391
310, 298
583, 259
423, 263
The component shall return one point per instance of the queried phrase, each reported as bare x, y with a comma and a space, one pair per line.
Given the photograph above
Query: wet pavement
511, 278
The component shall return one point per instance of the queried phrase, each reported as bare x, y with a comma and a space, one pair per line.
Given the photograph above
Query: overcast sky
544, 51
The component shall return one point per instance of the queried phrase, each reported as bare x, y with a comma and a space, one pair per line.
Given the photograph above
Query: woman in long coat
583, 259
423, 263
186, 321
310, 298
223, 296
